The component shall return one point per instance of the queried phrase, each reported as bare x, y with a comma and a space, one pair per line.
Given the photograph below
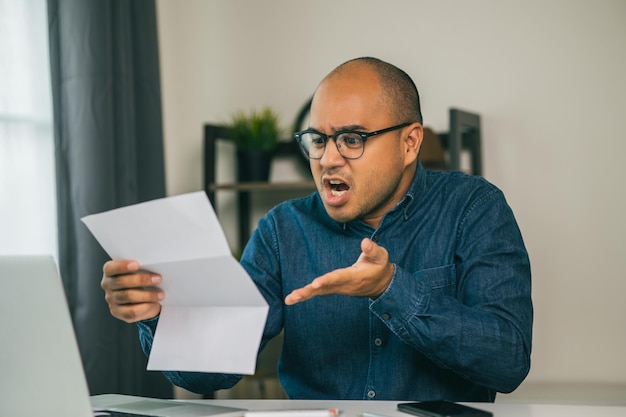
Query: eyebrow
357, 128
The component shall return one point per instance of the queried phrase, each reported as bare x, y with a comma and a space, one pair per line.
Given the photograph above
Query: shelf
213, 133
265, 186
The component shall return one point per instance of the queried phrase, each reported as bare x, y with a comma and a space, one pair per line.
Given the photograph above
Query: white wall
547, 77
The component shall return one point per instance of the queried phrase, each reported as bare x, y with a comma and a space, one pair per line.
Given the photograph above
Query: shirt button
376, 238
371, 394
378, 341
386, 316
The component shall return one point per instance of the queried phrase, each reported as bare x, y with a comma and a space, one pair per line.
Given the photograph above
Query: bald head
398, 91
365, 95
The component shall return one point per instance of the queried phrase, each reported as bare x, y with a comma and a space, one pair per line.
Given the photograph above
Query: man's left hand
369, 276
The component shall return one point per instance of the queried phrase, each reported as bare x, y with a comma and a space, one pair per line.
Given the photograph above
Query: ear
413, 142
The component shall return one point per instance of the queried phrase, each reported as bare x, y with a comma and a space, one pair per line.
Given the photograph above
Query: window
27, 178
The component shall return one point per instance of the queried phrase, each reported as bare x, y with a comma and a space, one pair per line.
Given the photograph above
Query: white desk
388, 408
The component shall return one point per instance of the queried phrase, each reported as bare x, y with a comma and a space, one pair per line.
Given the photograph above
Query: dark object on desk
442, 409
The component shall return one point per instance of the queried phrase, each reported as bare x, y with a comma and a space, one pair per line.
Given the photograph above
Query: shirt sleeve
473, 314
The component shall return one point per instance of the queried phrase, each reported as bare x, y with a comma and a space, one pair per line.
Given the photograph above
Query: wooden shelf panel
265, 186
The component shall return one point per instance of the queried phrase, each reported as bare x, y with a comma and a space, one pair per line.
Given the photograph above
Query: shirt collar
416, 188
407, 203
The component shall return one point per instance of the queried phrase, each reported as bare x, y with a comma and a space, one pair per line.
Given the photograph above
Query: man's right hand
132, 294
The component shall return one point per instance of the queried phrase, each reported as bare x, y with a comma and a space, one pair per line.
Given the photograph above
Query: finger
371, 251
326, 284
377, 256
142, 279
112, 268
293, 298
134, 296
367, 245
299, 295
128, 281
302, 294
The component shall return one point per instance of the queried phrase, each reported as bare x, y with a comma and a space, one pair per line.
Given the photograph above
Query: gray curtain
109, 153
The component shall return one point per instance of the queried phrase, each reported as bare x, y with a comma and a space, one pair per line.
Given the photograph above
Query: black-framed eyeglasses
350, 143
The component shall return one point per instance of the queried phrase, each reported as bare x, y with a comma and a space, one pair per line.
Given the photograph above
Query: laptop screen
42, 372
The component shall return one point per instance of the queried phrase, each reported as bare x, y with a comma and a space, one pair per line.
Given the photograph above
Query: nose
331, 156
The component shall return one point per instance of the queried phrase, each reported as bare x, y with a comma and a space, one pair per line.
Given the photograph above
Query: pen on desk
329, 412
368, 414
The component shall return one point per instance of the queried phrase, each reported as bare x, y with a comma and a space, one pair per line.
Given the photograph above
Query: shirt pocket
441, 279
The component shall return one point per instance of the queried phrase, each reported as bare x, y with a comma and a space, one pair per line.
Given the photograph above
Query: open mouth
337, 187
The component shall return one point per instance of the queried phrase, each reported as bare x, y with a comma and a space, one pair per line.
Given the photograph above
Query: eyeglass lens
349, 145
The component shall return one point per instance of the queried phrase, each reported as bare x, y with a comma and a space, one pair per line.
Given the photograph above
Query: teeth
335, 187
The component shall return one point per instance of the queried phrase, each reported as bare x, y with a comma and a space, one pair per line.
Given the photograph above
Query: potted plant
255, 136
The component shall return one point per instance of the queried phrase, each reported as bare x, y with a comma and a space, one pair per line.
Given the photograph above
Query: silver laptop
41, 371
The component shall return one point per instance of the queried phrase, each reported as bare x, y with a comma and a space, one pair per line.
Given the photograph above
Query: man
390, 282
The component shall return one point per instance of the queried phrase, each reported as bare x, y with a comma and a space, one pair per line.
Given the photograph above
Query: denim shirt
455, 322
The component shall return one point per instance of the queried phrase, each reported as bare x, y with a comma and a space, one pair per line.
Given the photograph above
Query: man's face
368, 187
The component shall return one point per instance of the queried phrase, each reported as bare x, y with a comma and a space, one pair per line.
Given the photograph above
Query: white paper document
212, 317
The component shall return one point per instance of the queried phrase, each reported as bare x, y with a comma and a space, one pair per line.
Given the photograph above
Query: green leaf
256, 130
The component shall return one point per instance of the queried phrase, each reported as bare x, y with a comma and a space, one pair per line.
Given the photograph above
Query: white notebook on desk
41, 369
